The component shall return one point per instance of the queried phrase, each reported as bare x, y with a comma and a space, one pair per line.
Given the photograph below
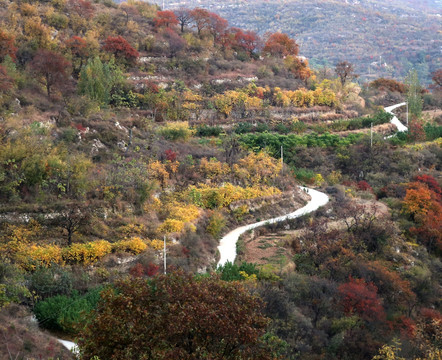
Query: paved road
395, 121
227, 246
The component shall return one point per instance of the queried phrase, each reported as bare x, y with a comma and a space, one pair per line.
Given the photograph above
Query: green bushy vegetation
65, 312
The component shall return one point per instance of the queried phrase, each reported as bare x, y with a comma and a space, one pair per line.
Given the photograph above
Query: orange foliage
279, 44
361, 298
166, 19
419, 200
7, 46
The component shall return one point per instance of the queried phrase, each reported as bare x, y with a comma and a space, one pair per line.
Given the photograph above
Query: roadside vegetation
124, 128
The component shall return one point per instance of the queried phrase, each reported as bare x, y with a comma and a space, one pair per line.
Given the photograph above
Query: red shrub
364, 186
361, 298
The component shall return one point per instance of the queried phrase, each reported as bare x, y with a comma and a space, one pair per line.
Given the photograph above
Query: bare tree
72, 218
345, 71
184, 17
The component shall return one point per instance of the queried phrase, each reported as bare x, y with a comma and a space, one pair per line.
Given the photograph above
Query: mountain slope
383, 38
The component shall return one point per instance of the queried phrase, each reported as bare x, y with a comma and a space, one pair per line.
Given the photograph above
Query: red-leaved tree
361, 298
6, 82
247, 41
7, 46
50, 69
79, 51
279, 44
166, 19
83, 8
121, 48
176, 317
201, 19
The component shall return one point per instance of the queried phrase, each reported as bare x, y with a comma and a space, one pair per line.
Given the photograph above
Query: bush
232, 272
87, 253
176, 131
63, 313
134, 245
243, 128
432, 131
205, 130
305, 175
216, 224
48, 282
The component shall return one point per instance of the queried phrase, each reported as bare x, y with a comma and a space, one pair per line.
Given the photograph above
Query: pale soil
275, 247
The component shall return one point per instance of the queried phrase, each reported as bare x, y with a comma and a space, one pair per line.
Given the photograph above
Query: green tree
414, 97
98, 79
176, 316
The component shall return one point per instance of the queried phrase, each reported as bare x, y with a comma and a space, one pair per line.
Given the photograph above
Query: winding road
395, 121
227, 246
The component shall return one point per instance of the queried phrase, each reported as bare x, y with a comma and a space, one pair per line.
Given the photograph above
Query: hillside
382, 38
132, 140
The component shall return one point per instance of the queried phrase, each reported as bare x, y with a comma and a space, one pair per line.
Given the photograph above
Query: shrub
217, 197
134, 245
63, 313
305, 175
243, 128
87, 253
176, 131
49, 282
233, 272
42, 256
216, 224
171, 226
205, 130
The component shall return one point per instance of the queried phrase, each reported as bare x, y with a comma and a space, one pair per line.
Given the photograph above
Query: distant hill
382, 38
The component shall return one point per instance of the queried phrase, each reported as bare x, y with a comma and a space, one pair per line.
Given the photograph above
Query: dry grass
20, 338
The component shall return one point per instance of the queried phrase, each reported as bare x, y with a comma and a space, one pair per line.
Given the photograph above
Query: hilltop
382, 38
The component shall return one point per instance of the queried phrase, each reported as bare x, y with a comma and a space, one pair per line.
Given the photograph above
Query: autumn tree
217, 26
79, 51
176, 316
51, 69
247, 41
298, 66
166, 19
184, 17
419, 200
345, 71
7, 46
279, 44
176, 42
119, 47
6, 82
201, 19
72, 218
83, 8
359, 297
423, 203
437, 79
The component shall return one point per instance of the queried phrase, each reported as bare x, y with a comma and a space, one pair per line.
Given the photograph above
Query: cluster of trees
399, 34
85, 152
